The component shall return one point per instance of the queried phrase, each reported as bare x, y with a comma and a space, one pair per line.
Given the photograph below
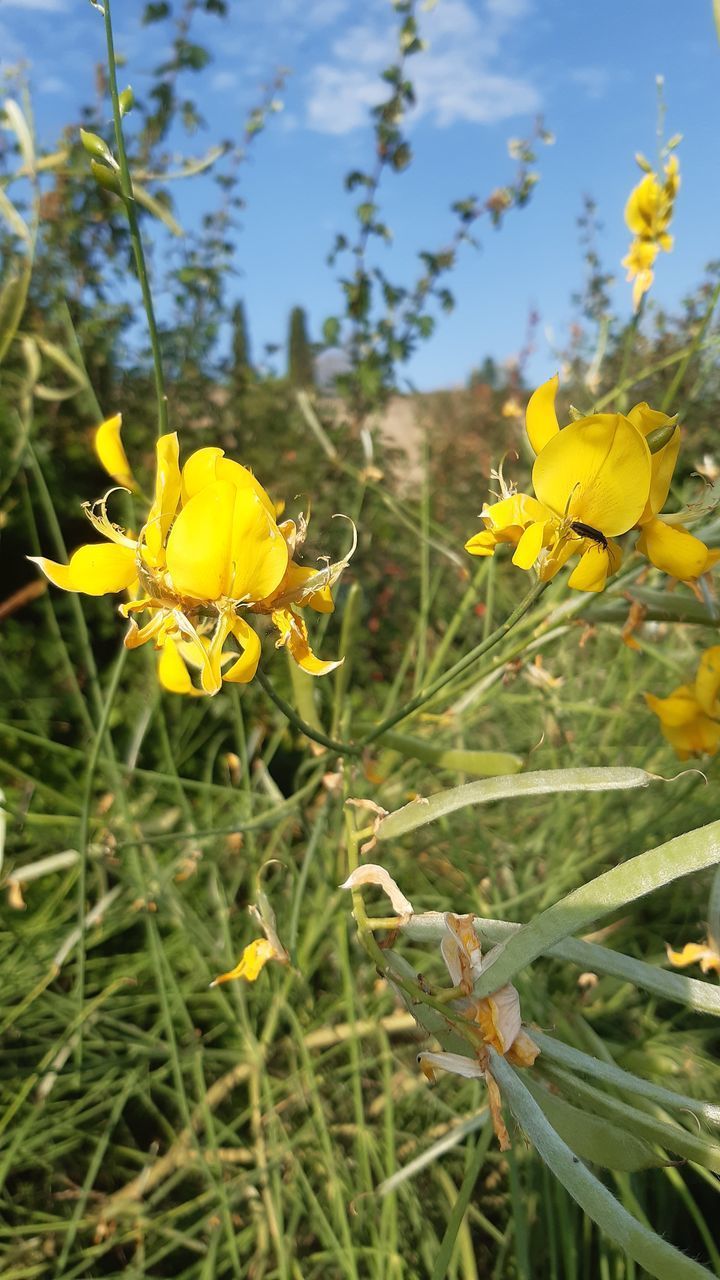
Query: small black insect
587, 531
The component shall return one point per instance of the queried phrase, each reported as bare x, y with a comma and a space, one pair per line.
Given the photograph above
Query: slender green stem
674, 387
131, 209
467, 661
342, 748
89, 780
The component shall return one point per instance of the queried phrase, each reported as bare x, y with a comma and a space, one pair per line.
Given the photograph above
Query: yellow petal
540, 417
251, 963
530, 545
643, 205
662, 464
294, 589
515, 512
243, 668
172, 672
679, 708
199, 546
258, 550
707, 681
594, 567
293, 634
110, 451
167, 496
243, 478
204, 466
672, 549
199, 471
95, 569
482, 543
597, 471
694, 953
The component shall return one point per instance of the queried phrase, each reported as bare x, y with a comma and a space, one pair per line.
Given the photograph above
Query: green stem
342, 748
88, 783
131, 210
429, 692
672, 390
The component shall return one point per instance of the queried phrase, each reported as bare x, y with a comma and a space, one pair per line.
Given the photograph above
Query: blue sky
490, 67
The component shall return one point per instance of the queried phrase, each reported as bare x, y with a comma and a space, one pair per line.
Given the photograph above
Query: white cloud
457, 78
53, 84
223, 80
594, 80
41, 6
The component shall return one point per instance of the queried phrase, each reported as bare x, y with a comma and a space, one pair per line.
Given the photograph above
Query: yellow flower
690, 716
639, 262
666, 543
209, 552
648, 214
694, 953
257, 953
591, 482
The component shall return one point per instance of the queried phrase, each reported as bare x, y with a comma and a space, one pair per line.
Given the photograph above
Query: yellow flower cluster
209, 553
648, 214
690, 715
595, 479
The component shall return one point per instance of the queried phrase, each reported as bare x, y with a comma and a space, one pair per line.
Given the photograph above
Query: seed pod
657, 439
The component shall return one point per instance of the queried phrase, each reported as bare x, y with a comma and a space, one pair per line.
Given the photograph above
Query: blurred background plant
154, 1127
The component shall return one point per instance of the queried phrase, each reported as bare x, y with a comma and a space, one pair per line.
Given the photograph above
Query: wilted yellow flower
210, 552
492, 1021
257, 953
648, 214
690, 715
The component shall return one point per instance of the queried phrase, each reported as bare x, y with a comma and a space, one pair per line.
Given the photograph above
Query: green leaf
143, 197
591, 1137
639, 1242
555, 1051
542, 783
486, 764
692, 1146
607, 893
703, 997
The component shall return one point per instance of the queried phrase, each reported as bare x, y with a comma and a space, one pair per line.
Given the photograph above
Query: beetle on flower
594, 480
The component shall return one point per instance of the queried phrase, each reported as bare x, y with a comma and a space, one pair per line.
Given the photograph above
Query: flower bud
98, 149
126, 101
105, 177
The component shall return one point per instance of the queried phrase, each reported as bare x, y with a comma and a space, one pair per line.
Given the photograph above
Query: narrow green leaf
541, 783
13, 219
639, 1242
591, 1137
486, 764
555, 1051
692, 1146
703, 997
158, 210
21, 129
607, 893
